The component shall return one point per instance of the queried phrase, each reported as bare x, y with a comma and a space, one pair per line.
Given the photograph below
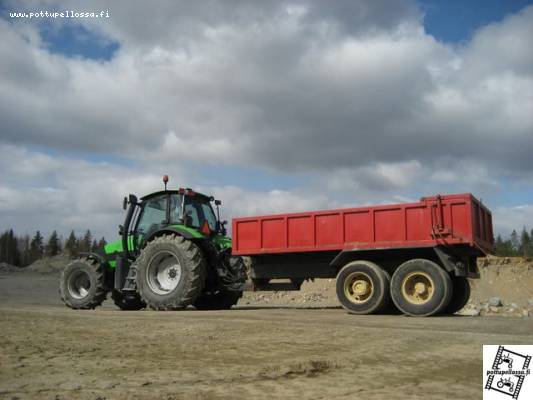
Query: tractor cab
181, 211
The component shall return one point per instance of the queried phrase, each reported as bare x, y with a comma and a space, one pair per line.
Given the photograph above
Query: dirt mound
49, 265
510, 279
8, 268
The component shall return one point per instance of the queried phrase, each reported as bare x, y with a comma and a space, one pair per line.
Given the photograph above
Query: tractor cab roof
182, 191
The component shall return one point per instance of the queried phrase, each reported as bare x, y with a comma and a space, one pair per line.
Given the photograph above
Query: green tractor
173, 253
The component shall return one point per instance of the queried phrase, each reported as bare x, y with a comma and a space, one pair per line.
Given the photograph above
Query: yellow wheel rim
358, 287
418, 288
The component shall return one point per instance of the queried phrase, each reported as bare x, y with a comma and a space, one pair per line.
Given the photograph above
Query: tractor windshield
153, 215
197, 211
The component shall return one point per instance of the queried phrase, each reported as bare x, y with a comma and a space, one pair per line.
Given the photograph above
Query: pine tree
71, 245
101, 244
498, 246
36, 247
9, 251
94, 246
525, 243
86, 242
515, 242
25, 251
53, 247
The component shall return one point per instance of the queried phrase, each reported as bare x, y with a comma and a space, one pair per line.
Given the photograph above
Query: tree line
516, 245
22, 251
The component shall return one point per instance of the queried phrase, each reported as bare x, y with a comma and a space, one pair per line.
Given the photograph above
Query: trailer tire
362, 287
421, 288
461, 295
170, 273
389, 308
128, 301
81, 284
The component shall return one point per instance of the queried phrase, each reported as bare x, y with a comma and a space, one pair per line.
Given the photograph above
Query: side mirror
223, 229
218, 202
120, 230
125, 203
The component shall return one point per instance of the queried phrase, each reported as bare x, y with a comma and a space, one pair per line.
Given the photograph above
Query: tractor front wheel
170, 273
81, 284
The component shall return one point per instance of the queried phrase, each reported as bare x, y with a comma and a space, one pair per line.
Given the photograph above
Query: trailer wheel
421, 288
461, 295
362, 287
171, 273
81, 284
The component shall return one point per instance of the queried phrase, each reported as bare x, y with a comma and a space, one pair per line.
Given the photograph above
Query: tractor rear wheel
129, 301
81, 284
230, 294
362, 287
461, 295
420, 288
170, 273
221, 300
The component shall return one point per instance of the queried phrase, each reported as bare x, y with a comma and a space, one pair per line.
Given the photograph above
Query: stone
470, 312
495, 302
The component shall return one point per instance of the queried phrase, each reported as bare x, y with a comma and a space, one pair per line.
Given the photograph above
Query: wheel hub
418, 288
358, 287
79, 284
164, 273
361, 287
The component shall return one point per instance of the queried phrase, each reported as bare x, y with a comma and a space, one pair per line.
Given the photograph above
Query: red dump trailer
417, 254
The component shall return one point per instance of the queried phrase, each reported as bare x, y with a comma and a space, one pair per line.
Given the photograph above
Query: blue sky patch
74, 40
455, 21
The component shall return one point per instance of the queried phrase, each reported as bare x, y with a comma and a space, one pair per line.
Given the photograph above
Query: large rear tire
224, 299
420, 288
362, 287
81, 284
128, 301
221, 300
170, 273
461, 295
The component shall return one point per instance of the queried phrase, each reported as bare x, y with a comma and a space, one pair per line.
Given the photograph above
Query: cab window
153, 215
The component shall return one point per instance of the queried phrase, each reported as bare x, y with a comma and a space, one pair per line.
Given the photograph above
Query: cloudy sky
271, 106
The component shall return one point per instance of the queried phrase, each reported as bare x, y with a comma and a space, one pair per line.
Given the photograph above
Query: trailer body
449, 220
419, 255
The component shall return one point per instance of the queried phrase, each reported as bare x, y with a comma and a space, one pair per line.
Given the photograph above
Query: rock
494, 309
495, 302
470, 312
530, 302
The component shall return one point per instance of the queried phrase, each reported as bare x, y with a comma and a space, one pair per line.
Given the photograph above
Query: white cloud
355, 95
507, 219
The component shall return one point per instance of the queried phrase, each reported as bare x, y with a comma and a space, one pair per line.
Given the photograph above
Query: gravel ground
260, 350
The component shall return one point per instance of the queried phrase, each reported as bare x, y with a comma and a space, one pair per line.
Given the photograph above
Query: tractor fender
176, 230
94, 256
